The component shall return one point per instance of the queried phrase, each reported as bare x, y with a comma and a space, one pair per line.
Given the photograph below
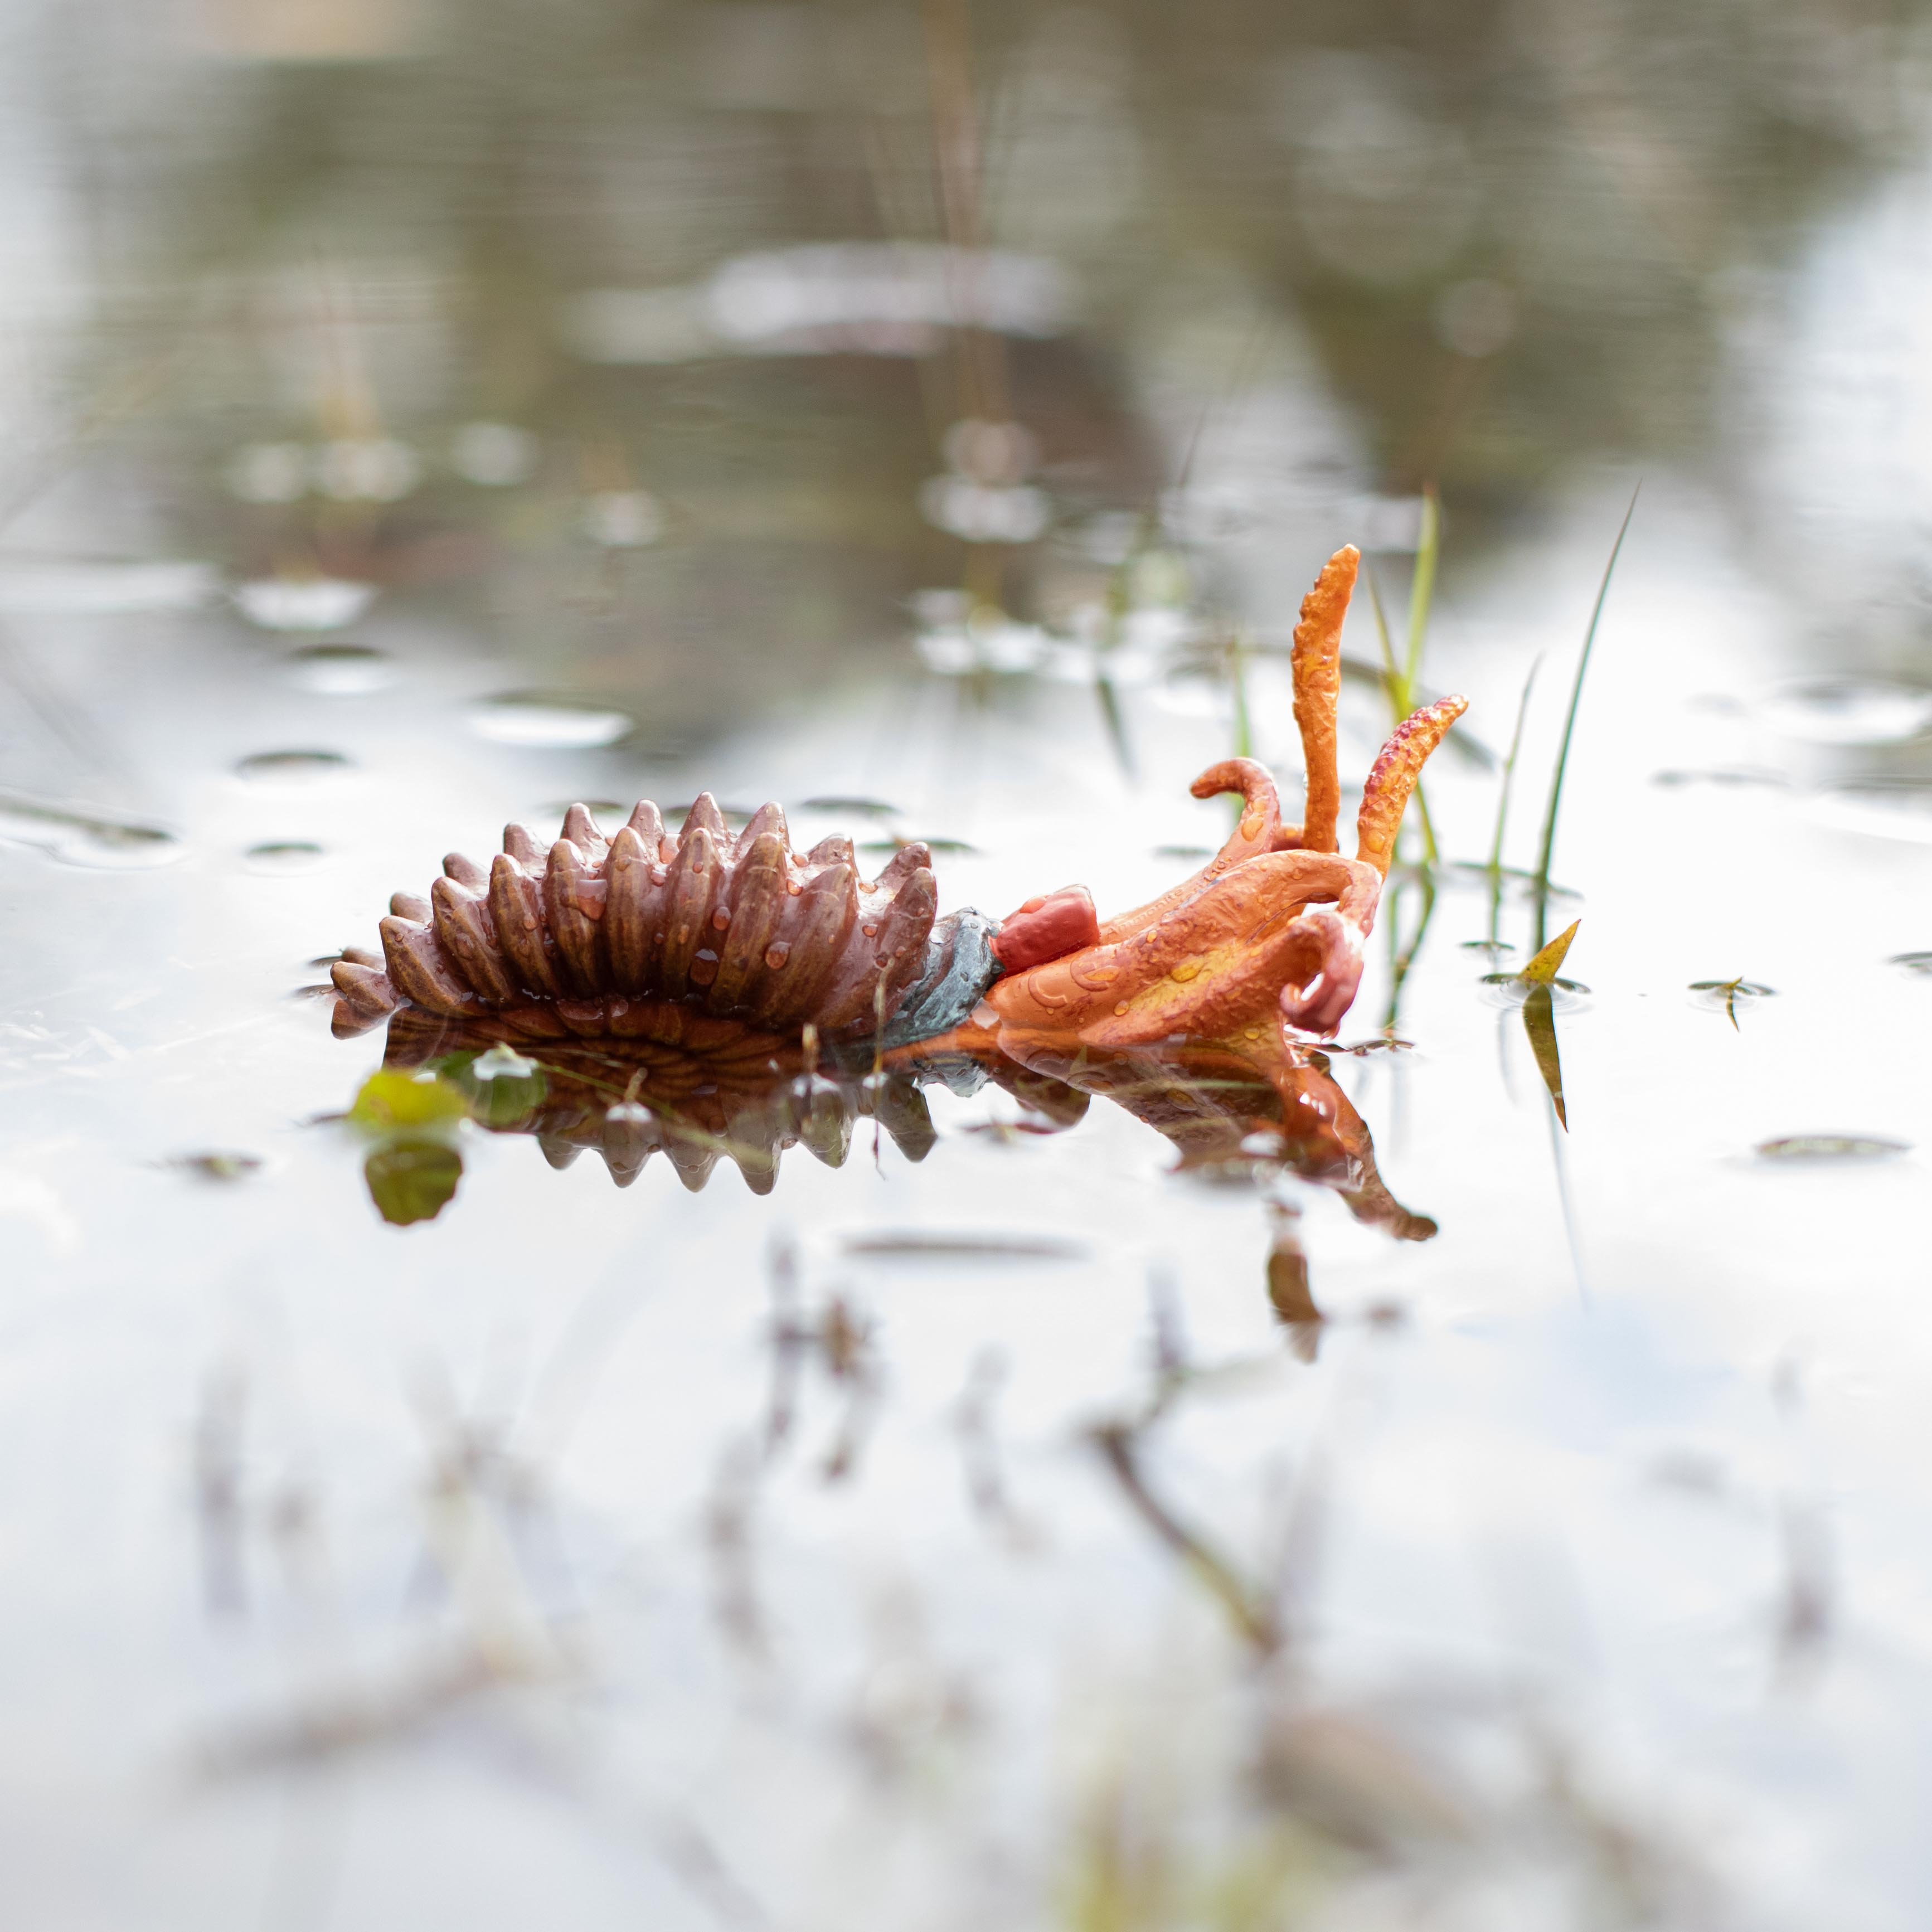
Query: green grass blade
1542, 886
1496, 864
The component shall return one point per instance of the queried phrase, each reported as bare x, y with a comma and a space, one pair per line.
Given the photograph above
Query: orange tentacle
1394, 775
1318, 689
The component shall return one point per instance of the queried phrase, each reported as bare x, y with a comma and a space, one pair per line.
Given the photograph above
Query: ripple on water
546, 722
281, 858
79, 838
1823, 1148
105, 589
303, 603
292, 767
340, 670
1886, 807
1849, 711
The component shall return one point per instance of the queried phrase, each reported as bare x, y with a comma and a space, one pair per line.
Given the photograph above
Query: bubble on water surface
340, 670
81, 837
104, 590
1849, 711
292, 767
303, 603
548, 723
280, 857
1831, 1148
216, 1165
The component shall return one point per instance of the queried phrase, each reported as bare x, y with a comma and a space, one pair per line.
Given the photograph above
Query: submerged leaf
1539, 1022
1832, 1147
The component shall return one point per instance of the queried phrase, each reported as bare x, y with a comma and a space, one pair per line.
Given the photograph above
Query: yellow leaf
1547, 964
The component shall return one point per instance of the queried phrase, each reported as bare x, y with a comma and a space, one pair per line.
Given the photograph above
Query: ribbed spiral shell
741, 925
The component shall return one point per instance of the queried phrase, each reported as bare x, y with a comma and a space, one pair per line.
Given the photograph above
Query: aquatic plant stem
1421, 592
1496, 864
1542, 881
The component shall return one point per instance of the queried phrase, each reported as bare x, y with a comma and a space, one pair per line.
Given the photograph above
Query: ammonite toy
631, 935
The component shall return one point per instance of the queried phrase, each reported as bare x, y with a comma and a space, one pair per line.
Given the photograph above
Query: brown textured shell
741, 925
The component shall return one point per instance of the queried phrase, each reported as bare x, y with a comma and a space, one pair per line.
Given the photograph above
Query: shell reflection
703, 1089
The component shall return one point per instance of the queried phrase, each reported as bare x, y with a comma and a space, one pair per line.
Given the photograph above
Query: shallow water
417, 427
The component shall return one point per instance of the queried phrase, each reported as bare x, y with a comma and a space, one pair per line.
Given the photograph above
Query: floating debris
922, 1244
1849, 711
545, 722
856, 807
216, 1165
1727, 993
80, 837
340, 670
1831, 1148
282, 857
292, 767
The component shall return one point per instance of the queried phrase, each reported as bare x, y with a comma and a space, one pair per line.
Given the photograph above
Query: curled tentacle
1394, 775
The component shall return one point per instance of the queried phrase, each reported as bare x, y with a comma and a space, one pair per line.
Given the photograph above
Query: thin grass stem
1496, 864
1542, 882
1421, 592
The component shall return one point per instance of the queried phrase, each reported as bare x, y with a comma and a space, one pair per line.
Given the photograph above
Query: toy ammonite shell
741, 925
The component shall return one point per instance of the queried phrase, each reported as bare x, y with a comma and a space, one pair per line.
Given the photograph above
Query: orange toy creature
626, 936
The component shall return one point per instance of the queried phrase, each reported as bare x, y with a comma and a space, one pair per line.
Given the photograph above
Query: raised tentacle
1260, 830
1393, 778
1318, 688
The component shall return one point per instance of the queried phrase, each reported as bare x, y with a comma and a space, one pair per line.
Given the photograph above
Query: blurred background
417, 414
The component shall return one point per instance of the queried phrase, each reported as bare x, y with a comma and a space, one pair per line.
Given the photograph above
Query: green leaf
502, 1087
389, 1100
413, 1180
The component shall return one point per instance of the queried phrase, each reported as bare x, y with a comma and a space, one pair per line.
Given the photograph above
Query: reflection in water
710, 1089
